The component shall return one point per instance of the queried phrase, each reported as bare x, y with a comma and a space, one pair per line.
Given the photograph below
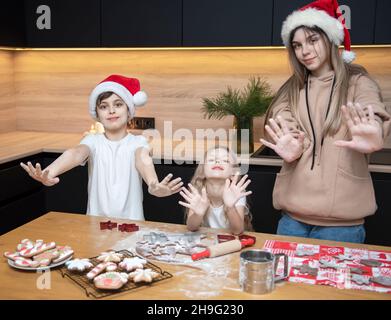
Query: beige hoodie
338, 190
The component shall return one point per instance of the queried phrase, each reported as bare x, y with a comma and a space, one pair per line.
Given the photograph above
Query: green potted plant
244, 105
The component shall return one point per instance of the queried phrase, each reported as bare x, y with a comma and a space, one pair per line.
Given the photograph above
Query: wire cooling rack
82, 281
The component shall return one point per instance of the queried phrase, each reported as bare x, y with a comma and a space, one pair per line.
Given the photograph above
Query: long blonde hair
289, 91
199, 181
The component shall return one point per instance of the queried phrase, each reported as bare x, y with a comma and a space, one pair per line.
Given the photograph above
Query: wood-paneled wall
52, 87
7, 92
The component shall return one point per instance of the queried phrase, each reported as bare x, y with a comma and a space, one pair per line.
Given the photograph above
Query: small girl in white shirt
216, 196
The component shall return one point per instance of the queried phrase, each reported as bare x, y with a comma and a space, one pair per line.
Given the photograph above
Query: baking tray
82, 281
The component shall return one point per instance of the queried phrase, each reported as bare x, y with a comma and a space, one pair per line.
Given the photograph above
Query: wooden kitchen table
83, 234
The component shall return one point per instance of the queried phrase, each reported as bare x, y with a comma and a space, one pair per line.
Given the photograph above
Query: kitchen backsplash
48, 90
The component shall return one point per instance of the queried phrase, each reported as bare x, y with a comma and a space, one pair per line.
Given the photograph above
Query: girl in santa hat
116, 159
323, 122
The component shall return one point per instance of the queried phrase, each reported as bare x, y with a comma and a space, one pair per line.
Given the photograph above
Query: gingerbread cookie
130, 264
11, 255
26, 263
79, 265
110, 256
25, 244
38, 248
104, 266
46, 258
64, 252
111, 280
143, 275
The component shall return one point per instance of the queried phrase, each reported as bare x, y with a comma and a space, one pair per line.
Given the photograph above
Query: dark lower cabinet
378, 226
71, 193
167, 209
18, 212
264, 216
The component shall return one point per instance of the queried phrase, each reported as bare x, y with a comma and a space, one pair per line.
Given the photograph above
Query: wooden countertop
19, 144
83, 234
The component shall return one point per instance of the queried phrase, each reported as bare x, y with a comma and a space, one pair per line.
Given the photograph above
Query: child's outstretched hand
198, 203
165, 187
286, 145
366, 132
37, 174
234, 190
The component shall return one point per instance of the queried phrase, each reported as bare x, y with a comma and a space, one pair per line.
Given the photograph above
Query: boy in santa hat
323, 122
117, 160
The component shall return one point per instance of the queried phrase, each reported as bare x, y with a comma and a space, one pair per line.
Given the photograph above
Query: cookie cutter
370, 263
360, 280
304, 252
306, 269
382, 280
343, 257
324, 264
108, 225
228, 237
128, 227
357, 270
161, 237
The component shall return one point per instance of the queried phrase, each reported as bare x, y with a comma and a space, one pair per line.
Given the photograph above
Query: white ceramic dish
12, 264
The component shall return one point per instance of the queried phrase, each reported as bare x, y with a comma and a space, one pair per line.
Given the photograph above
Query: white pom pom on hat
128, 89
326, 15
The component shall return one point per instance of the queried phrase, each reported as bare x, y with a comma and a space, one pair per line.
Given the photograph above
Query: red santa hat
326, 15
128, 89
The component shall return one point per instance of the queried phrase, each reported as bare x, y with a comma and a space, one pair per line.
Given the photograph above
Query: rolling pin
223, 248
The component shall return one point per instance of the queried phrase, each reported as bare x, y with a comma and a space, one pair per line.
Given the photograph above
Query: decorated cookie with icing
64, 252
143, 275
79, 265
11, 255
26, 263
104, 266
25, 244
38, 248
110, 256
111, 280
46, 258
130, 264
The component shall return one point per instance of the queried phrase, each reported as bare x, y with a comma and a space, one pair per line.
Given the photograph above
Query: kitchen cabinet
148, 23
167, 209
71, 193
382, 22
20, 211
62, 23
362, 22
22, 199
378, 226
264, 217
12, 23
362, 18
227, 23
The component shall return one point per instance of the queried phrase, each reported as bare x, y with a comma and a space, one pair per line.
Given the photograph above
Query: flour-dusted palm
166, 187
286, 145
197, 202
234, 190
37, 174
366, 132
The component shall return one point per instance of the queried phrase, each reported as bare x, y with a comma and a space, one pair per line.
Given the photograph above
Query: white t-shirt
216, 217
114, 184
